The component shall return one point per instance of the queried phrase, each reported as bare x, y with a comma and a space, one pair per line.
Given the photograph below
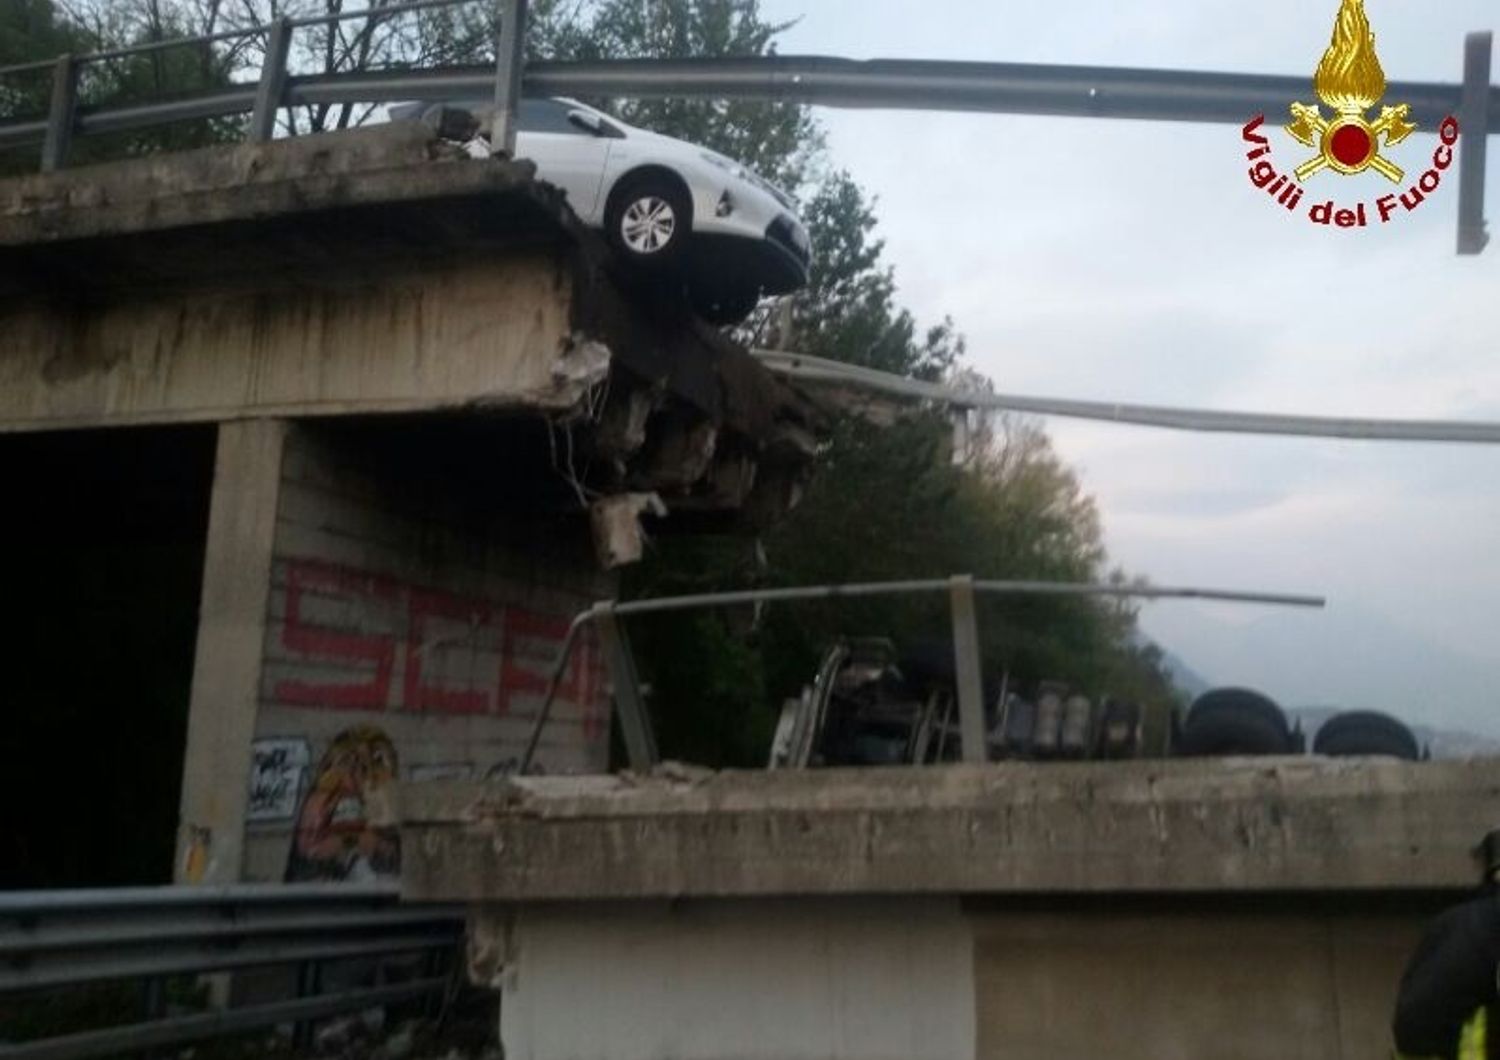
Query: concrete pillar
231, 638
769, 979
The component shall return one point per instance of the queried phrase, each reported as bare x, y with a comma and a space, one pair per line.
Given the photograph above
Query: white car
663, 202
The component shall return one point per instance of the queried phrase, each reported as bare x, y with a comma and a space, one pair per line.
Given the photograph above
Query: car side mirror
589, 122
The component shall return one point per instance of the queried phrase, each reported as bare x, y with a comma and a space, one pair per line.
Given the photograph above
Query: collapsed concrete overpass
375, 370
1219, 908
406, 417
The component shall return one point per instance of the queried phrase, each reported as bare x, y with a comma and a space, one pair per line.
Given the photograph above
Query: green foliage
36, 30
848, 311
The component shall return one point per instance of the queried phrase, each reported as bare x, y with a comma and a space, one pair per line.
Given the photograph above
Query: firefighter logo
1350, 82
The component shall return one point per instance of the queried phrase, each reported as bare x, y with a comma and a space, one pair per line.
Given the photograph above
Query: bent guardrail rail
635, 725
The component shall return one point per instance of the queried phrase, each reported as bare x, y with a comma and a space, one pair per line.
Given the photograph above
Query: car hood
697, 152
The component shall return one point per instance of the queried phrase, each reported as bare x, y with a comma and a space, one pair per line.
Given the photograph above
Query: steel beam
1478, 111
271, 92
967, 669
60, 114
897, 84
510, 64
630, 704
1213, 421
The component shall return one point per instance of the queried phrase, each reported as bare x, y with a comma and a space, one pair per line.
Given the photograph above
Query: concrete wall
408, 637
867, 979
872, 980
1288, 984
364, 621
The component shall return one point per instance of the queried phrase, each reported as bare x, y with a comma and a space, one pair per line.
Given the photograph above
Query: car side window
547, 116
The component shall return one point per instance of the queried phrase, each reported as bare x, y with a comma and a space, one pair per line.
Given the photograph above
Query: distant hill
1444, 743
1345, 655
1188, 681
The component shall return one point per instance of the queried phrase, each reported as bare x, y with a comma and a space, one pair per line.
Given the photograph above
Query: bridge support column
231, 639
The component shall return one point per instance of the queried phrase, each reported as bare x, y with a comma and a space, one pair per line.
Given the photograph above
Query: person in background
1447, 1005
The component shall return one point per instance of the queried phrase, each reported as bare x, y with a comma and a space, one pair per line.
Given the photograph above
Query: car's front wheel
724, 306
649, 221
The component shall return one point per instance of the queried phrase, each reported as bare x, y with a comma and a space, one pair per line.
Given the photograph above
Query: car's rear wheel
649, 220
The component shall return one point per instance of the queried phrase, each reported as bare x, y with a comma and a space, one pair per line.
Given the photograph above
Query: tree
36, 30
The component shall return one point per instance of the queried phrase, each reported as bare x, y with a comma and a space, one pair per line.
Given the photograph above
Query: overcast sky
1134, 262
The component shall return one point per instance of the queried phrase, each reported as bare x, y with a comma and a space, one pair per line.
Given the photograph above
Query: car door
566, 154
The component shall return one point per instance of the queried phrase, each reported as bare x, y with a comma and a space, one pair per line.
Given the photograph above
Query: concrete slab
1169, 826
373, 271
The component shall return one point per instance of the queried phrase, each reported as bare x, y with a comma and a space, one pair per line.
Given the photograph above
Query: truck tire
1234, 721
1366, 733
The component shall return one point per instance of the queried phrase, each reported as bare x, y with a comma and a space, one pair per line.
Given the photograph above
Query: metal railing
274, 88
59, 939
1001, 88
635, 725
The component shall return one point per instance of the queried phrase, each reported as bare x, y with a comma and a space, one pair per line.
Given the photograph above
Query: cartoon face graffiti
334, 839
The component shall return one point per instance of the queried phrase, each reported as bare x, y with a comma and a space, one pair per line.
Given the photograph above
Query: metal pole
1474, 116
966, 664
60, 114
630, 707
272, 87
309, 984
510, 63
554, 682
817, 369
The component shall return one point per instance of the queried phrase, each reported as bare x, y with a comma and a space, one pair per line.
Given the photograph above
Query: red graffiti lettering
462, 656
429, 698
303, 637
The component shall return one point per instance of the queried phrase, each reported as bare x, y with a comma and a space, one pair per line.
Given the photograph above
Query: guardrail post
60, 114
272, 87
967, 669
630, 706
309, 983
510, 62
1474, 116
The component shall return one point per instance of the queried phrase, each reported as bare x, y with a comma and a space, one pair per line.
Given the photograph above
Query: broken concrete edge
678, 788
1143, 827
73, 225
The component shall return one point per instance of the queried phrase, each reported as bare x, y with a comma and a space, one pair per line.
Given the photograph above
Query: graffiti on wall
277, 770
393, 646
334, 839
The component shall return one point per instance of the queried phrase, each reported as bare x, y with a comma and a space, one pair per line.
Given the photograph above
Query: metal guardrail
57, 939
1009, 88
1216, 421
630, 708
274, 88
